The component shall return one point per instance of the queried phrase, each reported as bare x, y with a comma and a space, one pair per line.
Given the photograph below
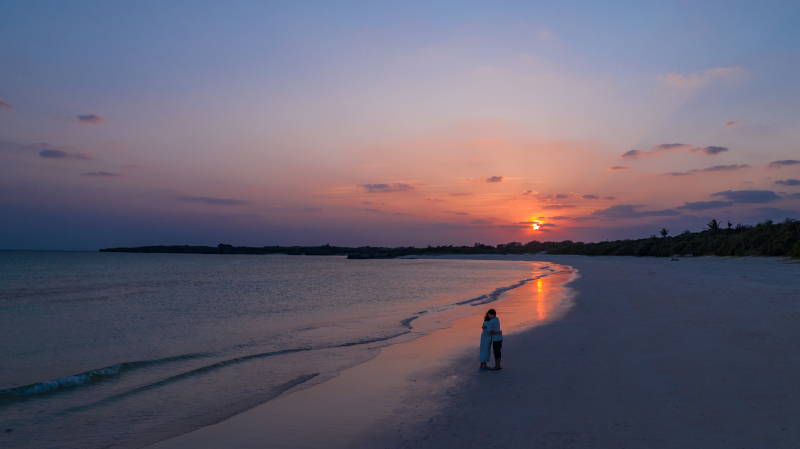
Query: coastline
703, 352
337, 410
697, 353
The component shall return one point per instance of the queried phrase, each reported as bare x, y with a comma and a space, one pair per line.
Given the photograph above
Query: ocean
119, 350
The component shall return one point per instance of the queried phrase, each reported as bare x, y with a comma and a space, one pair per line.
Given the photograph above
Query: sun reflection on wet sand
540, 306
360, 397
538, 301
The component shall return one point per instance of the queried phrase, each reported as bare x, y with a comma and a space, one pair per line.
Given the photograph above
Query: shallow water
114, 349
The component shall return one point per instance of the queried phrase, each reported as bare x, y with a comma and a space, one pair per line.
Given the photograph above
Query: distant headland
764, 239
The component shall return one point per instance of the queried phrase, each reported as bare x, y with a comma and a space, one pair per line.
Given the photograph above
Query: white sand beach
703, 352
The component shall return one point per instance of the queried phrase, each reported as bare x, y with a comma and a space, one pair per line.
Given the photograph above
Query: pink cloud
696, 81
3, 104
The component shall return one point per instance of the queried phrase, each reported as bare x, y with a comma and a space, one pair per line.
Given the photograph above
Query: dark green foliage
764, 239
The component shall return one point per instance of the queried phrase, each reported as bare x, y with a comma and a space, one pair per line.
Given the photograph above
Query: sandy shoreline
698, 353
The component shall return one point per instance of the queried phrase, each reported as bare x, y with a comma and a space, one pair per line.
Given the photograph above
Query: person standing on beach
486, 343
493, 326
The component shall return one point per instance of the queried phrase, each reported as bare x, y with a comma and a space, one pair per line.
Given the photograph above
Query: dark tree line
764, 239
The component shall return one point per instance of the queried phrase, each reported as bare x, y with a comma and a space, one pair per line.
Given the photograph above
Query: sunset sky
361, 123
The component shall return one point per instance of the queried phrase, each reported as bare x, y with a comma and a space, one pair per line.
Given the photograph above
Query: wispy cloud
53, 153
715, 168
489, 179
4, 104
732, 124
783, 163
461, 213
480, 222
215, 201
724, 168
609, 198
788, 182
658, 149
668, 147
311, 209
558, 206
92, 119
590, 197
705, 205
748, 196
559, 217
104, 174
434, 200
461, 194
629, 211
710, 150
695, 81
618, 167
387, 188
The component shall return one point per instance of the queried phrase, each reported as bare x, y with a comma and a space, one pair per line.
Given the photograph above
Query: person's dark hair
490, 311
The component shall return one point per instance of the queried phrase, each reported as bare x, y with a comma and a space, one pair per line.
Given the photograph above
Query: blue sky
290, 109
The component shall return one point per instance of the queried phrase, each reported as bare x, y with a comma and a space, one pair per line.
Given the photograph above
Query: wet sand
703, 352
342, 411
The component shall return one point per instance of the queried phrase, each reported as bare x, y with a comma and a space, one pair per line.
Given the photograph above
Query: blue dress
486, 345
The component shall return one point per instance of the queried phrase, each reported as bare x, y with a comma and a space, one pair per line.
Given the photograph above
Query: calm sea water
120, 350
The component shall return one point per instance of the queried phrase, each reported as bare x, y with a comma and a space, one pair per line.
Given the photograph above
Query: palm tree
664, 232
713, 226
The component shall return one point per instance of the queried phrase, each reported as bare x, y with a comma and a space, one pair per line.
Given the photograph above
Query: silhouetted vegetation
764, 239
